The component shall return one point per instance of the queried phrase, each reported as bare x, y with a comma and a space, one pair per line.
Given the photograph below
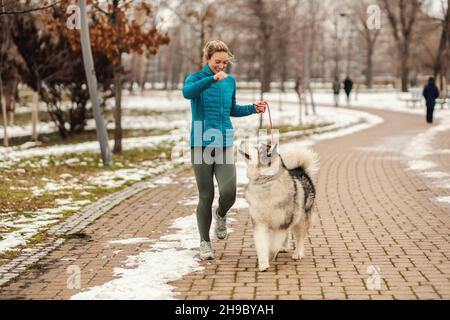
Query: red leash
270, 120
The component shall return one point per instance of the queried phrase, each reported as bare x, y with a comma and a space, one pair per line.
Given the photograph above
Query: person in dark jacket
336, 90
430, 93
348, 86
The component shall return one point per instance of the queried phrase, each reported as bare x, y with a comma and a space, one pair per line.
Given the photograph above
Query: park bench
443, 101
414, 98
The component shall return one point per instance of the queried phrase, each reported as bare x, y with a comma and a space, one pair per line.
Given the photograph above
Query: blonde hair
214, 46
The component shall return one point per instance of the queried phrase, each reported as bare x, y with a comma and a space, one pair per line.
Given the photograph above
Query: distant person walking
348, 86
336, 90
299, 90
430, 93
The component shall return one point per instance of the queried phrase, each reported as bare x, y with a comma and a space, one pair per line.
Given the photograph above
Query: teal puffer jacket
212, 104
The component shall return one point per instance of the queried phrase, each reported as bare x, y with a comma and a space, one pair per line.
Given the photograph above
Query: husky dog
281, 196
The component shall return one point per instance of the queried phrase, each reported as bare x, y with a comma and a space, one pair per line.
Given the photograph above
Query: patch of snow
436, 174
130, 241
444, 199
145, 276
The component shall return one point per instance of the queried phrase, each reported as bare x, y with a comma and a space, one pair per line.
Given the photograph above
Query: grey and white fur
281, 195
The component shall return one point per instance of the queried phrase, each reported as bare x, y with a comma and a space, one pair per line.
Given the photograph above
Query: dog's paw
297, 255
263, 267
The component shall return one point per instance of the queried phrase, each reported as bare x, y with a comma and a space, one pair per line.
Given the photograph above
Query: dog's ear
275, 150
243, 152
264, 154
246, 155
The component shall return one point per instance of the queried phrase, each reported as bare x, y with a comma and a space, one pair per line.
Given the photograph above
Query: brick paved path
372, 212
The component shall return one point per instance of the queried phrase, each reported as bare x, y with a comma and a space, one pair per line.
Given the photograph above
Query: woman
213, 100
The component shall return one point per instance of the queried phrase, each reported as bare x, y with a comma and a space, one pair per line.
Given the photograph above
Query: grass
35, 177
23, 119
23, 202
285, 128
39, 237
9, 255
54, 139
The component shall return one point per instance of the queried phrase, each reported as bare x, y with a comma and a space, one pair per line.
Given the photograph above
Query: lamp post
91, 78
337, 53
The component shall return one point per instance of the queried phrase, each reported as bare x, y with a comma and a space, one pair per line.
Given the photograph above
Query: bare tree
369, 35
441, 63
199, 16
402, 16
265, 32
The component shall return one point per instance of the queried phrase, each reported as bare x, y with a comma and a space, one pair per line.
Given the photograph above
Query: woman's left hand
260, 106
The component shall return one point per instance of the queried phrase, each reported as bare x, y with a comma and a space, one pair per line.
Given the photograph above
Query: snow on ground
155, 101
23, 131
420, 147
181, 121
26, 227
146, 276
128, 123
392, 101
130, 241
150, 272
244, 126
11, 155
443, 199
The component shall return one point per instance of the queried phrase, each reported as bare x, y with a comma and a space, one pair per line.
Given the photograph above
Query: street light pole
337, 54
100, 127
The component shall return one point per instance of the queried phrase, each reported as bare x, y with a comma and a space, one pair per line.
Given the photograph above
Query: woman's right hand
220, 76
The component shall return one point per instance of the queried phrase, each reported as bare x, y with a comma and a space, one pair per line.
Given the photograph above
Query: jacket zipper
221, 112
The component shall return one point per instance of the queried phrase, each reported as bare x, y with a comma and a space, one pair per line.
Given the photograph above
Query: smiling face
219, 61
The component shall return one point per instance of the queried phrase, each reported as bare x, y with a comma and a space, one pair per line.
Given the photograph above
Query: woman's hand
260, 106
220, 76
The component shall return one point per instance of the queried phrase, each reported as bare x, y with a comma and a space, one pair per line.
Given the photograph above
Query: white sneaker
206, 251
220, 227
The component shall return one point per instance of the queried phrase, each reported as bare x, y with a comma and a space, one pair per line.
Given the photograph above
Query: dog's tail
300, 157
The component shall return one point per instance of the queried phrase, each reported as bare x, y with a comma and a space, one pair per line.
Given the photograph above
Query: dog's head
261, 161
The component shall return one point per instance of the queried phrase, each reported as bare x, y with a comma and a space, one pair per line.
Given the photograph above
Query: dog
281, 195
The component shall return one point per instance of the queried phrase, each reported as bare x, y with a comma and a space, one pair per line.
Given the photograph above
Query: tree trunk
300, 117
202, 43
267, 69
369, 71
5, 119
34, 116
443, 45
306, 61
102, 134
117, 74
117, 70
404, 66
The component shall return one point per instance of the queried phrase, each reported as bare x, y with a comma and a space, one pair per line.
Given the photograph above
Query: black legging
205, 168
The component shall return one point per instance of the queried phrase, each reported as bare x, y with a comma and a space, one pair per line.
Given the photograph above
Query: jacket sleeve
241, 111
193, 88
